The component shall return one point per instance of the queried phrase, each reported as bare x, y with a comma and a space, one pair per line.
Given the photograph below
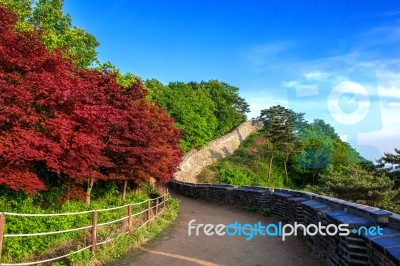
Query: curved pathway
175, 247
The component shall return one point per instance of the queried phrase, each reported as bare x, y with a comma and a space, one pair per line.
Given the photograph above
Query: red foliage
77, 122
73, 193
143, 143
141, 139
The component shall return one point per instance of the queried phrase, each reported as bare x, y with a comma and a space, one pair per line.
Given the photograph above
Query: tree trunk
58, 179
286, 170
270, 165
124, 190
315, 167
68, 190
90, 183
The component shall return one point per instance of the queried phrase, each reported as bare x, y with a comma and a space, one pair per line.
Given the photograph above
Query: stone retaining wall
196, 160
308, 208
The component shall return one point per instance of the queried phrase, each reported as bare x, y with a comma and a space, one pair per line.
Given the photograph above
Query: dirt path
175, 247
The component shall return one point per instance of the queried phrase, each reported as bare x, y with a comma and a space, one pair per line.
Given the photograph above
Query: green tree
192, 110
317, 153
57, 29
204, 110
323, 148
356, 184
344, 154
124, 80
231, 109
242, 106
280, 125
393, 159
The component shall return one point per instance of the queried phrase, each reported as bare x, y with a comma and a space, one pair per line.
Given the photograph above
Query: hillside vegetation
204, 111
291, 152
68, 121
77, 134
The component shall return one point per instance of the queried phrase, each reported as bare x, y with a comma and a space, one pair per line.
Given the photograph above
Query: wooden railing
154, 208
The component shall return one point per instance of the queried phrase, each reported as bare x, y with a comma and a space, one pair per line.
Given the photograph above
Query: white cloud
258, 57
381, 78
316, 75
367, 64
390, 32
307, 90
385, 14
291, 84
381, 36
259, 100
384, 140
394, 105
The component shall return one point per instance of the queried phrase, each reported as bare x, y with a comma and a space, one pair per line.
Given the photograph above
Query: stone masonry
311, 209
297, 206
196, 160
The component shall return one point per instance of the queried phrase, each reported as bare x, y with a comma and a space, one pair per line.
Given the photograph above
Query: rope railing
48, 260
136, 214
124, 206
49, 233
114, 221
73, 213
94, 241
45, 214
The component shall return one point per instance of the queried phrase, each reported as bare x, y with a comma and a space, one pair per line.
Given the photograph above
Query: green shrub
117, 249
17, 249
234, 175
267, 212
252, 209
362, 186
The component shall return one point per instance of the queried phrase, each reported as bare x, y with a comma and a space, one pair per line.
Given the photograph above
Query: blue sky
335, 60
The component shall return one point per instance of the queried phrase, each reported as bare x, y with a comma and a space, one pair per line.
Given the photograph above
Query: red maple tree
141, 140
77, 122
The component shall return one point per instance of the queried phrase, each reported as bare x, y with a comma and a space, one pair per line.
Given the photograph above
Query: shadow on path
175, 247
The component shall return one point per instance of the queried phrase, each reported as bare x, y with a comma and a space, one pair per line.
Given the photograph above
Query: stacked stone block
308, 208
296, 209
385, 249
280, 204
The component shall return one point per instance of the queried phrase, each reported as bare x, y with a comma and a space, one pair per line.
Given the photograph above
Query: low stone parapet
307, 208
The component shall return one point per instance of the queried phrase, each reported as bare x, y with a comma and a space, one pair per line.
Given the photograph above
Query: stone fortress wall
297, 206
308, 208
196, 160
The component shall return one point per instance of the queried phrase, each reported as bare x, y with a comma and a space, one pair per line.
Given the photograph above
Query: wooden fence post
148, 210
129, 217
94, 231
163, 201
2, 225
156, 206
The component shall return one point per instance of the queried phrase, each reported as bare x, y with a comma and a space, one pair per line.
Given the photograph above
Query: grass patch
119, 248
252, 208
248, 166
27, 249
267, 212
